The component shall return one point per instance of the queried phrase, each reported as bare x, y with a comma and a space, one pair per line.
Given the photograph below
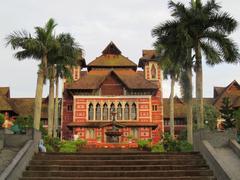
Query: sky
94, 23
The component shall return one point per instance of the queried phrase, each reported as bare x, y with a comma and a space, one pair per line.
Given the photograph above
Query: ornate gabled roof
112, 58
147, 55
130, 78
226, 92
111, 49
5, 104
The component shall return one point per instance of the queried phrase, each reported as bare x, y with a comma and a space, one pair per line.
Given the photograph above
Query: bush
144, 144
23, 123
68, 146
169, 144
184, 146
55, 143
158, 148
72, 146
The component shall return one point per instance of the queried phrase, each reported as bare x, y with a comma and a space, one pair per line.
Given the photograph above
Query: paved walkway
6, 156
230, 159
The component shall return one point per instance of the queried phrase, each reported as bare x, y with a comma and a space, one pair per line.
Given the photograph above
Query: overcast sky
94, 23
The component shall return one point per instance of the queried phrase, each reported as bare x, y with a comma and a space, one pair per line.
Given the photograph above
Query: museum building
114, 94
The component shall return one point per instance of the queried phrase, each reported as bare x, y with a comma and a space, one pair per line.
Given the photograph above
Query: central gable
112, 86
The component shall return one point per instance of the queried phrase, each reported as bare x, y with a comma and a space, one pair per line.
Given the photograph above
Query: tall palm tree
177, 45
170, 69
36, 47
209, 30
66, 55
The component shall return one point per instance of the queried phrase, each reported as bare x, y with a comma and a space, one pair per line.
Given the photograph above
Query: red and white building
113, 82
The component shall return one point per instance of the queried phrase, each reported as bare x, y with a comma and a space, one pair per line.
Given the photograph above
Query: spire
111, 49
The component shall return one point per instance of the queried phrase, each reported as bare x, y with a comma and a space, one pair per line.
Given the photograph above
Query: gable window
134, 112
119, 112
105, 112
90, 111
126, 112
153, 72
112, 109
98, 112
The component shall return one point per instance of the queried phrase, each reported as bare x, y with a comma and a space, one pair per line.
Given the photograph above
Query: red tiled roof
112, 57
147, 55
130, 78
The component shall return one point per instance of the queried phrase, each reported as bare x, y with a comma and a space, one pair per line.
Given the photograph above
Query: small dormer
150, 65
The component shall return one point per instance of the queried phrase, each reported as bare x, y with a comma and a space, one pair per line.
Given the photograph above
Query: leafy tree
208, 28
37, 47
227, 113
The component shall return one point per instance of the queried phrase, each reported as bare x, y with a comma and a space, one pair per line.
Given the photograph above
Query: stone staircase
117, 165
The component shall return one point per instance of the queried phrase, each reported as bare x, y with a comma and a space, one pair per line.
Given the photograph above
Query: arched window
90, 133
119, 112
153, 72
126, 112
98, 112
90, 111
134, 112
112, 109
105, 112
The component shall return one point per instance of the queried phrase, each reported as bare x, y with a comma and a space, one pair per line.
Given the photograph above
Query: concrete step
115, 168
112, 152
120, 162
115, 157
122, 178
169, 173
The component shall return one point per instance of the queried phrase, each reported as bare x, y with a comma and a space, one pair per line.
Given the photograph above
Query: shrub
52, 142
144, 144
158, 148
169, 144
49, 148
185, 146
24, 122
68, 146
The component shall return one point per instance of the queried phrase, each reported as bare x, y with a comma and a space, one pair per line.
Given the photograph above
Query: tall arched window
90, 111
134, 112
153, 72
105, 112
126, 112
98, 112
119, 112
112, 109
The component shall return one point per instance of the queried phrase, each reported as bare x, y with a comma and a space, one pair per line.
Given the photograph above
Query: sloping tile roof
111, 60
218, 91
5, 105
180, 107
112, 57
134, 80
147, 55
4, 91
226, 92
130, 78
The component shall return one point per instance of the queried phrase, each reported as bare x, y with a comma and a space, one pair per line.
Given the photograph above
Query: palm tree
171, 69
209, 30
177, 43
36, 47
60, 60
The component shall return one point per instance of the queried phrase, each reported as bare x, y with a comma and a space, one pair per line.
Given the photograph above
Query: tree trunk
56, 110
51, 103
199, 87
38, 94
189, 108
172, 106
